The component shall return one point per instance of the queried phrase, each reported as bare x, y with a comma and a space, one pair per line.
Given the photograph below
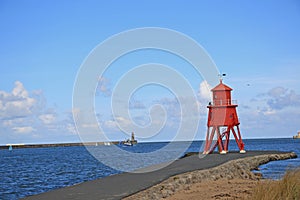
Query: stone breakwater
240, 168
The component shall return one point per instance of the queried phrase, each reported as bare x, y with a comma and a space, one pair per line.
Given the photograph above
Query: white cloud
269, 112
47, 118
24, 129
19, 90
274, 113
111, 124
136, 104
18, 103
277, 92
89, 125
204, 91
12, 121
123, 122
103, 86
204, 97
279, 98
71, 128
23, 111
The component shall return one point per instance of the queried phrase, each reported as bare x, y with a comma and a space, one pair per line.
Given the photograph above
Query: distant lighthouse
222, 120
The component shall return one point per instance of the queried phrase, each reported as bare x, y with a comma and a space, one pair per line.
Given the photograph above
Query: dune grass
288, 188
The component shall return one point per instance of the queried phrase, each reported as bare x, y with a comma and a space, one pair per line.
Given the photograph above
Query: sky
43, 44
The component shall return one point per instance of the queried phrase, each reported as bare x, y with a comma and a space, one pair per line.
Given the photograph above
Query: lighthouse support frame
222, 139
222, 114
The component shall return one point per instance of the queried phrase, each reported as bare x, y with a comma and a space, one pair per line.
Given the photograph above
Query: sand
220, 189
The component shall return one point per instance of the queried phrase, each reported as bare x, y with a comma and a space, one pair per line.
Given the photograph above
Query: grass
288, 188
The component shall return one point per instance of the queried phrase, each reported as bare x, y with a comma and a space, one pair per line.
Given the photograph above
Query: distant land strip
18, 146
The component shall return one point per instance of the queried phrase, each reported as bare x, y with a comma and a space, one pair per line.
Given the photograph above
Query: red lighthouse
222, 119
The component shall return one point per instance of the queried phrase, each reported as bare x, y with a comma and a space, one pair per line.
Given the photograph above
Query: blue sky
43, 44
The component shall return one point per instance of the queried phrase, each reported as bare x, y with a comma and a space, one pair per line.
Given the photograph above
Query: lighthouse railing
223, 102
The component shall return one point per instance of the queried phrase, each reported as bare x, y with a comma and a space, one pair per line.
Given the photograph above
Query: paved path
122, 185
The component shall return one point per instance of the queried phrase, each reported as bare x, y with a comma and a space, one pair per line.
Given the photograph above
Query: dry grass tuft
288, 188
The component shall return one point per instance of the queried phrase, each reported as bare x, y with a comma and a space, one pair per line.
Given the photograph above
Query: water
25, 172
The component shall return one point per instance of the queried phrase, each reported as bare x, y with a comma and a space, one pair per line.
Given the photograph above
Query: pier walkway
122, 185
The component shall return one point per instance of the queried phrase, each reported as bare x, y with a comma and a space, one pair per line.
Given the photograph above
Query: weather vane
221, 75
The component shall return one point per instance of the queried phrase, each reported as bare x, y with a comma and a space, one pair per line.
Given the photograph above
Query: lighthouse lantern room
222, 120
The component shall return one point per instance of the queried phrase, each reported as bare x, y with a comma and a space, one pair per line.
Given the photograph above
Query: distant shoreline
19, 146
71, 144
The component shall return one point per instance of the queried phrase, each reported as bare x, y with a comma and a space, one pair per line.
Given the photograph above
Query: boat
129, 142
10, 148
297, 136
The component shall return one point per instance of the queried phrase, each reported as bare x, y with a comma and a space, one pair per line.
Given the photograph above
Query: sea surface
30, 171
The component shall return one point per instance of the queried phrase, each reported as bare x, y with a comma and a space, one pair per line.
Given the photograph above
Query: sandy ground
220, 189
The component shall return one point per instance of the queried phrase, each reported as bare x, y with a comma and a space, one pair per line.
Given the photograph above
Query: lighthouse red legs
238, 139
222, 145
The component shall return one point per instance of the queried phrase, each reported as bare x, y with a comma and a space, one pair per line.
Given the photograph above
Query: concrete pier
125, 184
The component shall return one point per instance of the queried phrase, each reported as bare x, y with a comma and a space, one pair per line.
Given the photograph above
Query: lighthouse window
215, 96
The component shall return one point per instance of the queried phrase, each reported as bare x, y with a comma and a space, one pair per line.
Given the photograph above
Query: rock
240, 168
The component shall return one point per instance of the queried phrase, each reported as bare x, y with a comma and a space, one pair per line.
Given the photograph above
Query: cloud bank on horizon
26, 118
